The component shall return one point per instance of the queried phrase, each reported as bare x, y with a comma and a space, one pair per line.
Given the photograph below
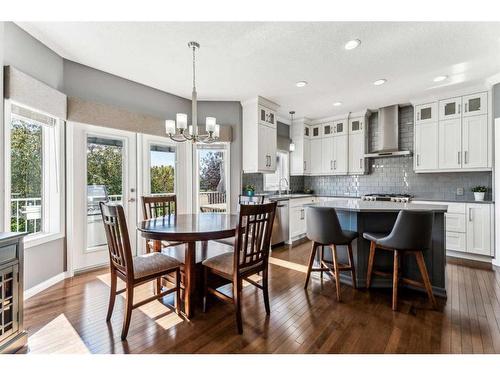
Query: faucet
279, 185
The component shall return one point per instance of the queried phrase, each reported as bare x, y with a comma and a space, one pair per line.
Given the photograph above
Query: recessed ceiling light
336, 104
352, 44
440, 78
379, 82
301, 84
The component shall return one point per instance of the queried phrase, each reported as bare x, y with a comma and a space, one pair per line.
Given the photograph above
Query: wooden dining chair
242, 199
157, 206
133, 270
250, 256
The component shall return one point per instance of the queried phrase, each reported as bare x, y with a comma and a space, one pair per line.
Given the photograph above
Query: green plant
479, 189
250, 188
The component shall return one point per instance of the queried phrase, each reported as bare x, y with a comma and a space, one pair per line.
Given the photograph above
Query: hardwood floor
72, 314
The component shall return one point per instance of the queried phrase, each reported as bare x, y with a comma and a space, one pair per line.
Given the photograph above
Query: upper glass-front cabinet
475, 104
327, 129
340, 127
315, 131
450, 108
356, 125
267, 116
425, 113
307, 131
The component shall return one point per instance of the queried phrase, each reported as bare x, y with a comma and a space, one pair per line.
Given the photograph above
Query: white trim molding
45, 284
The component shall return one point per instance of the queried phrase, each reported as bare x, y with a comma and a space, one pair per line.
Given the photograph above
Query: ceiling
238, 61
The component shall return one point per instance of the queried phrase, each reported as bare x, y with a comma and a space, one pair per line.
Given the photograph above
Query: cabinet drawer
456, 208
455, 241
299, 202
455, 222
8, 253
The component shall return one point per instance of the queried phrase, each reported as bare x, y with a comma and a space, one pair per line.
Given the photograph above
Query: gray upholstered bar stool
323, 229
411, 234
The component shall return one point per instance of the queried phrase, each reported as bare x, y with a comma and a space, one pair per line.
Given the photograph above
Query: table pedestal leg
157, 246
189, 278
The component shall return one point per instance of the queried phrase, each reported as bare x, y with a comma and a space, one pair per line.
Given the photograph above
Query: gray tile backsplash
391, 175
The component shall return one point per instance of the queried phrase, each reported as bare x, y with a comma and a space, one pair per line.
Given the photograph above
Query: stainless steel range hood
387, 134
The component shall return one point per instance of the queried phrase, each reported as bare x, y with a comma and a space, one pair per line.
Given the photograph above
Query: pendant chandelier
179, 131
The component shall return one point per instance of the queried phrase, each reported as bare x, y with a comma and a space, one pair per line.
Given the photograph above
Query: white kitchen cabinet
259, 135
316, 132
425, 113
455, 222
455, 241
297, 222
328, 155
426, 146
475, 141
267, 148
450, 144
340, 127
357, 153
450, 108
316, 156
475, 104
479, 229
356, 125
300, 156
327, 129
340, 154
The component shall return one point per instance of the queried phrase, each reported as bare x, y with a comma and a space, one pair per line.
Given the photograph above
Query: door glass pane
449, 109
104, 183
26, 175
426, 113
212, 179
474, 104
162, 169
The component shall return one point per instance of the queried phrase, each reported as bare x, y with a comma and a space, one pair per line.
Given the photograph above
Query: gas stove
401, 198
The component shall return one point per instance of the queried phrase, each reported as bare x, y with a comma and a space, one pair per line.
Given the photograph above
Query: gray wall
32, 57
395, 175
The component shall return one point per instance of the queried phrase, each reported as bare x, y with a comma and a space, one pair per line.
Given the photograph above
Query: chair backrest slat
253, 235
160, 205
115, 227
254, 199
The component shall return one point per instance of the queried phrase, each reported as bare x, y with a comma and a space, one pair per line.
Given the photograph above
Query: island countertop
358, 205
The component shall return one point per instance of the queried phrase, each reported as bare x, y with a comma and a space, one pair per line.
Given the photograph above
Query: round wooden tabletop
190, 227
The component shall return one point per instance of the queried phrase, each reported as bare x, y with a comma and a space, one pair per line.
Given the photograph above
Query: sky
159, 158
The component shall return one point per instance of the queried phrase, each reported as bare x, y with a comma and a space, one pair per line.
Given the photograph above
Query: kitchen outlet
460, 191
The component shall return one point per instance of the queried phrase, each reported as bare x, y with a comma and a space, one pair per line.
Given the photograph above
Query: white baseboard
476, 257
45, 284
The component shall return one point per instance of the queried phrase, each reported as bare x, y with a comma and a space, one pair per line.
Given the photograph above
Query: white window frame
52, 178
274, 186
196, 173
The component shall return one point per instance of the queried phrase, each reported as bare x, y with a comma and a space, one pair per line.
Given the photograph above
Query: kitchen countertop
367, 206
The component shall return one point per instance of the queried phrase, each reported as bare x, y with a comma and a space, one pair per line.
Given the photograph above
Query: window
272, 180
212, 165
33, 183
162, 169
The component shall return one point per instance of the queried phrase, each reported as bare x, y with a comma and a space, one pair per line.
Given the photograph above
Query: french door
101, 166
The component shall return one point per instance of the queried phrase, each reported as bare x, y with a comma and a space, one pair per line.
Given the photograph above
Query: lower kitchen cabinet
298, 225
469, 227
479, 218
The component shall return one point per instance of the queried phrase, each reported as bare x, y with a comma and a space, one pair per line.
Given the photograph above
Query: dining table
189, 229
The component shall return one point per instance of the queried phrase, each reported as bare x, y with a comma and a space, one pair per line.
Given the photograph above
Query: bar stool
323, 229
411, 234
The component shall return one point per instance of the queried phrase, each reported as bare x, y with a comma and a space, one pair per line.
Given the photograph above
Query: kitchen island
364, 216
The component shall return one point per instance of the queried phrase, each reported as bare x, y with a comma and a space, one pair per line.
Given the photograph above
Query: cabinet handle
331, 164
459, 108
465, 157
304, 165
360, 161
335, 164
302, 214
418, 160
470, 213
458, 160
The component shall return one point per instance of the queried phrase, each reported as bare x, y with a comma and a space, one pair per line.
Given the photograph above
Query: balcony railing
26, 214
212, 201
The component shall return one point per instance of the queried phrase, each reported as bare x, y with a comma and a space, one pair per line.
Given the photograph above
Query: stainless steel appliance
402, 198
280, 232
